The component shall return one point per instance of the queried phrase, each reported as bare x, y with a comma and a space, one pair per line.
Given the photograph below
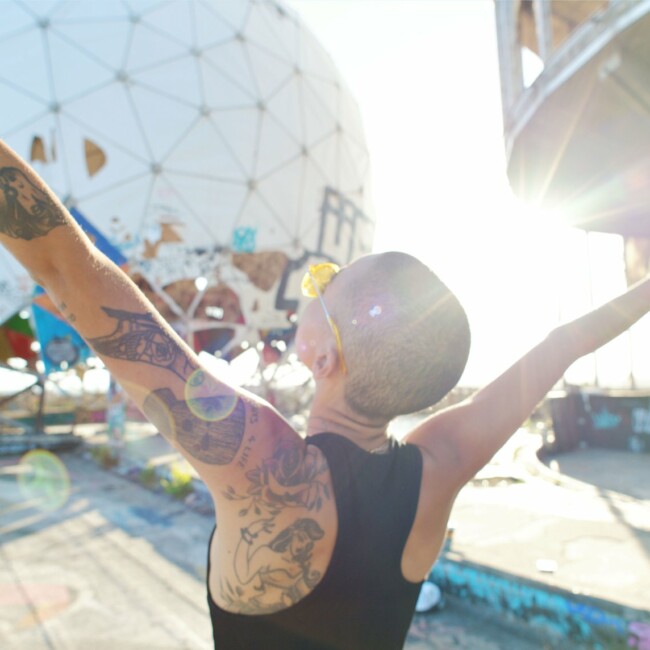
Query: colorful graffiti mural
573, 617
600, 420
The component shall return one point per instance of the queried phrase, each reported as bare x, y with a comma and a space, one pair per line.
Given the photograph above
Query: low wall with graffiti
597, 623
601, 420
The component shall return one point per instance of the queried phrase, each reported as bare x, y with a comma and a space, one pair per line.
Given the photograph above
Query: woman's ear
326, 362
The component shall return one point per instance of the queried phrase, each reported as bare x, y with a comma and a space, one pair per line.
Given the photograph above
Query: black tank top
363, 601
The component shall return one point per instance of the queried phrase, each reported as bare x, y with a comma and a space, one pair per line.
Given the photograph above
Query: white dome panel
64, 57
271, 72
233, 14
107, 46
148, 47
202, 151
240, 129
25, 66
326, 94
173, 21
263, 28
285, 105
73, 11
314, 60
15, 19
178, 196
277, 146
109, 114
210, 27
163, 120
284, 187
319, 113
225, 88
177, 81
119, 213
18, 110
264, 219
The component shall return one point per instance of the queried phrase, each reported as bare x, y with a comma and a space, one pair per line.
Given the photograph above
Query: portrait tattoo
212, 442
279, 568
140, 338
26, 211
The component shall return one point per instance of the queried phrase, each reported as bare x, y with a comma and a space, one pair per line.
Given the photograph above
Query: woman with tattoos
323, 541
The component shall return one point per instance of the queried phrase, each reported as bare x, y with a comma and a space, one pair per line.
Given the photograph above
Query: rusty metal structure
575, 84
577, 137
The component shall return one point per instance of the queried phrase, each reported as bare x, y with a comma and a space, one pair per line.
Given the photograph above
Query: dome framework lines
188, 132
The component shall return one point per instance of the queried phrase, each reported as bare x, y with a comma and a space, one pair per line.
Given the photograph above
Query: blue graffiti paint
604, 419
561, 613
535, 605
244, 239
597, 616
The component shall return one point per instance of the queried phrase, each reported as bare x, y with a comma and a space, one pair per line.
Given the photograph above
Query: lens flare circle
44, 479
206, 399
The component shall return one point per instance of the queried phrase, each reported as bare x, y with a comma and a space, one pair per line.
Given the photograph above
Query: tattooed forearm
139, 337
26, 211
212, 442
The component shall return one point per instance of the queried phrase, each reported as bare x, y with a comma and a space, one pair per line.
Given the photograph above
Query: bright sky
425, 75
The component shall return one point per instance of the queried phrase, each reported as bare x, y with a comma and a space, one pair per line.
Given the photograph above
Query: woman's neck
368, 436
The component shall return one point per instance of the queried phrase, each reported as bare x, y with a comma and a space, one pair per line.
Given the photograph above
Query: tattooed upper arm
212, 441
204, 417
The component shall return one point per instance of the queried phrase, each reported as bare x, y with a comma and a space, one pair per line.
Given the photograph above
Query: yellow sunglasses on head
313, 284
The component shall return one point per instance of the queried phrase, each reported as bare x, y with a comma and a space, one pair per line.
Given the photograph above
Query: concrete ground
119, 566
581, 522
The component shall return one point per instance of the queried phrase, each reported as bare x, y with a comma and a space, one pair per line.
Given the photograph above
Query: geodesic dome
212, 142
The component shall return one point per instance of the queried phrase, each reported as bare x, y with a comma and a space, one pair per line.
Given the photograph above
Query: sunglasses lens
317, 278
307, 287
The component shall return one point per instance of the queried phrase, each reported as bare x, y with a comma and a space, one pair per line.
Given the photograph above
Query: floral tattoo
292, 477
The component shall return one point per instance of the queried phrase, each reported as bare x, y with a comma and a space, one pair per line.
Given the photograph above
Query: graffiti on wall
603, 624
639, 636
609, 421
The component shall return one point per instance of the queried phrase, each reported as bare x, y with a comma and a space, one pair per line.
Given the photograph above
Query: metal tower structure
575, 83
577, 137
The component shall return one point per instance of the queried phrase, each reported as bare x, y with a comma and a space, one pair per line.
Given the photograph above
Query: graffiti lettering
338, 214
604, 419
552, 609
